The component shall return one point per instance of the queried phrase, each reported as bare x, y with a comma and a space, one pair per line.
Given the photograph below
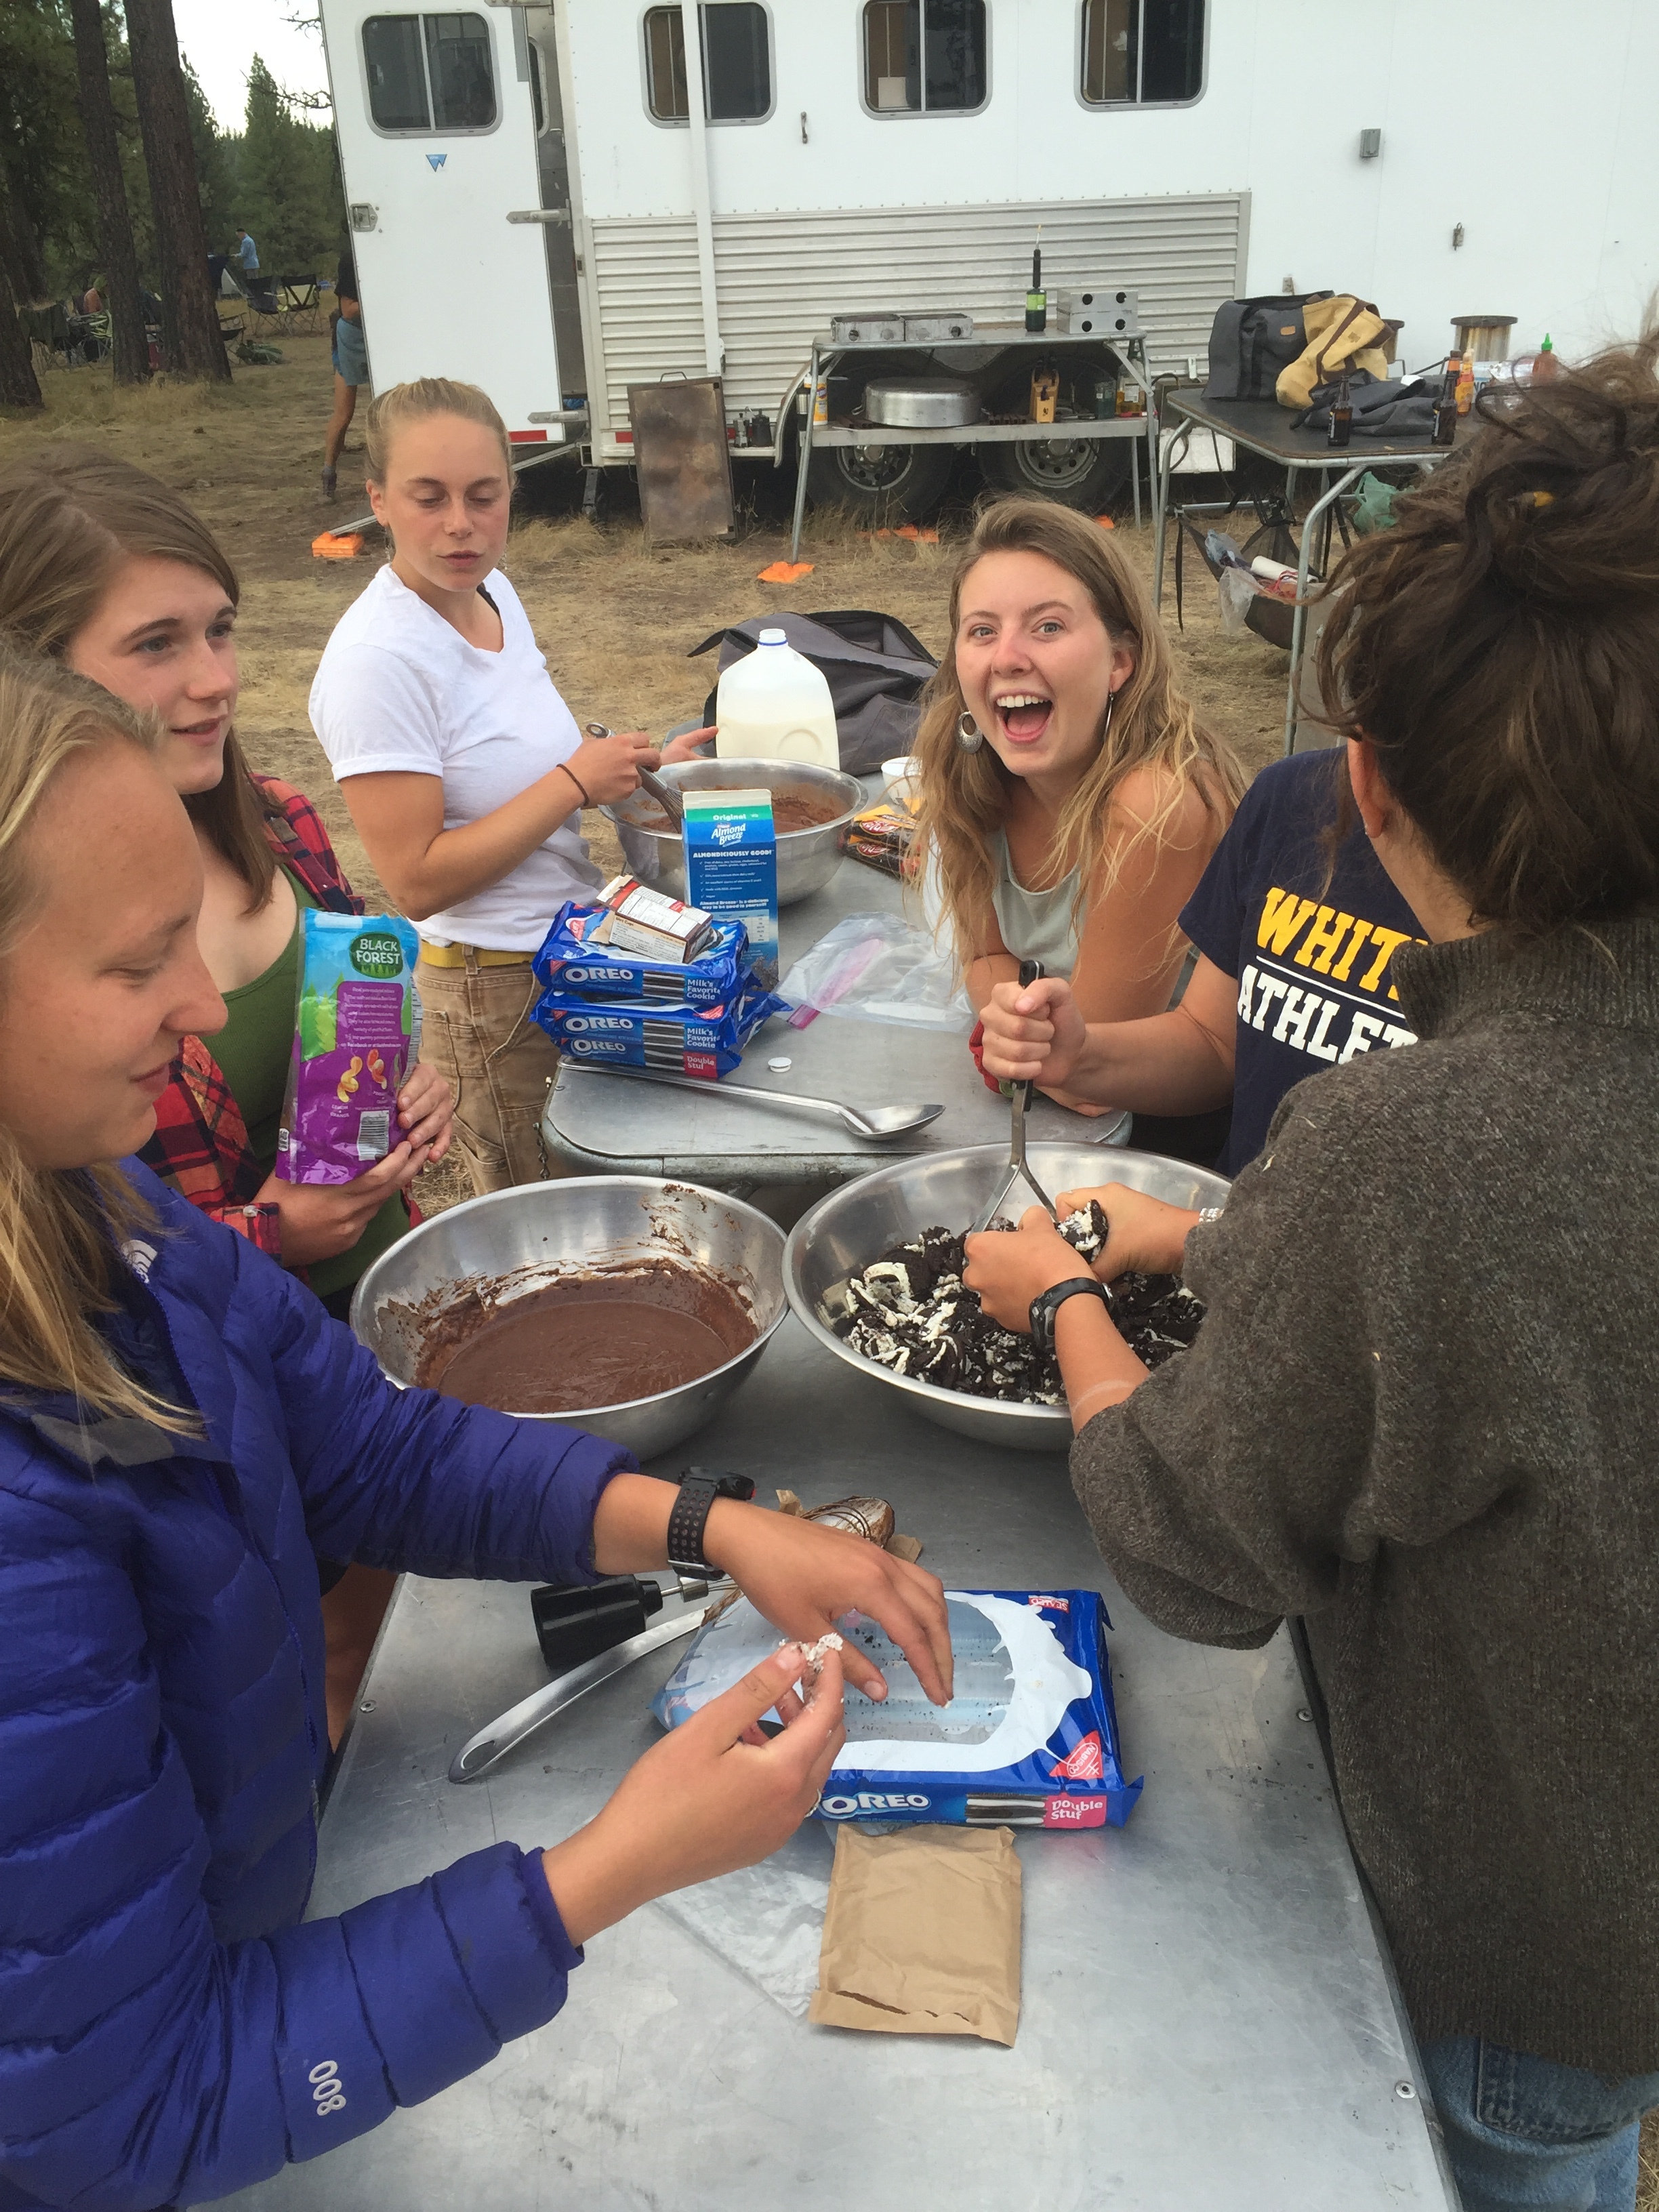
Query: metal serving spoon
665, 793
879, 1121
482, 1750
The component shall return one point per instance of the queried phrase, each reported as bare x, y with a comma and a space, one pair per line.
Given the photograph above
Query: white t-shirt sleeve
374, 715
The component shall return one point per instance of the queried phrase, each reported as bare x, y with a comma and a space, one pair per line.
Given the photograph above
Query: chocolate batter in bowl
586, 1342
791, 811
625, 1304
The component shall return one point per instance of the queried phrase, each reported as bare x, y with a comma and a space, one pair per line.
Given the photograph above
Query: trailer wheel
1081, 472
880, 484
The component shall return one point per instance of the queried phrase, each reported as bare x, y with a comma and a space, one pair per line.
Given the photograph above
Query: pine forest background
279, 176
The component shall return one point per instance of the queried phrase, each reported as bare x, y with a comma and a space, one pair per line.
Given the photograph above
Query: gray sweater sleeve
1236, 1483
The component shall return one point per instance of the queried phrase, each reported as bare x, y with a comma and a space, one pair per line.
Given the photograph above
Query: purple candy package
356, 1035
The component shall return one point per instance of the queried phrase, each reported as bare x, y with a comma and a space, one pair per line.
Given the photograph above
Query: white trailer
547, 202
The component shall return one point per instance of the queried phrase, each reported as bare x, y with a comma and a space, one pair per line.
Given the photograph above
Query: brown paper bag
921, 1937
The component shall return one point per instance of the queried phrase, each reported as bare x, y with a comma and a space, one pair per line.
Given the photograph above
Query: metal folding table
608, 1125
1209, 2019
1126, 351
1263, 426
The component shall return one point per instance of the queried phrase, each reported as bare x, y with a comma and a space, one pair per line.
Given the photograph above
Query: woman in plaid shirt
106, 569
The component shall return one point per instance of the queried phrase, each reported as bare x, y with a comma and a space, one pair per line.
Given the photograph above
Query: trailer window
737, 63
429, 72
924, 57
1144, 52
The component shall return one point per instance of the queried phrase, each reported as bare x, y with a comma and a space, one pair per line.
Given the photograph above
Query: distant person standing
247, 253
350, 367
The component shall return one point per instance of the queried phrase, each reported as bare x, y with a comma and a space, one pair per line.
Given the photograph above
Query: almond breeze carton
732, 868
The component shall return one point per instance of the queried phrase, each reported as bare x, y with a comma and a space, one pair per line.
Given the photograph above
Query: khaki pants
476, 1030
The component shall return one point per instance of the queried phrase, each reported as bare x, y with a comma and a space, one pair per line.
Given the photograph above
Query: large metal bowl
807, 858
540, 1231
859, 1221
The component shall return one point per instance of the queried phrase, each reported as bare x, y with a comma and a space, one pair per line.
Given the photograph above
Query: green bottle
1036, 303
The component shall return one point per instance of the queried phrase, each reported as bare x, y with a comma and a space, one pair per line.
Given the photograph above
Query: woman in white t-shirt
461, 765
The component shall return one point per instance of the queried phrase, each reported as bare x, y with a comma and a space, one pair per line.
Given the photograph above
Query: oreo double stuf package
1028, 1740
576, 970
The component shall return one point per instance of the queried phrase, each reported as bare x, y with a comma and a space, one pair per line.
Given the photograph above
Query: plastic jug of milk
775, 705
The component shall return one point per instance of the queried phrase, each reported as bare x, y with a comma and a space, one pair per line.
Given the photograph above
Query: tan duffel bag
1343, 333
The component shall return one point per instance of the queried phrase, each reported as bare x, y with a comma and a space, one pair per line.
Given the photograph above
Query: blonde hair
69, 519
964, 795
425, 396
59, 1228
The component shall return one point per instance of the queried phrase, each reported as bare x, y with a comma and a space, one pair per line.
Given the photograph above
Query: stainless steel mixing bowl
859, 1221
540, 1231
807, 858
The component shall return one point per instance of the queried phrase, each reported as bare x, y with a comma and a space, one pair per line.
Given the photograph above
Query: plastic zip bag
766, 1920
876, 967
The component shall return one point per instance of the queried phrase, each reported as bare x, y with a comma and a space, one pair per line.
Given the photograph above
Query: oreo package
1028, 1740
701, 1041
576, 970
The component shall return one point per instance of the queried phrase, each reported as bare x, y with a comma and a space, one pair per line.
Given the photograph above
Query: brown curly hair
1499, 646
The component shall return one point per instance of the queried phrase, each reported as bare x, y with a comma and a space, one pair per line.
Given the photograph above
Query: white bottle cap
772, 637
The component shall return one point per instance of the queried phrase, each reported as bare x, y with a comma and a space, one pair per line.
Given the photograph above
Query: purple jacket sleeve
142, 2062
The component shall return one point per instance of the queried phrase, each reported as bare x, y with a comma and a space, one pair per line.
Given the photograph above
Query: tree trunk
191, 342
19, 386
120, 256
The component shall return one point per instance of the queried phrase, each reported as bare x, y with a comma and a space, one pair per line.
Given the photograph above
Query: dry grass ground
616, 618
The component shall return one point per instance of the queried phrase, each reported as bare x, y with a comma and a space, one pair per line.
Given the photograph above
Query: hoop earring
969, 736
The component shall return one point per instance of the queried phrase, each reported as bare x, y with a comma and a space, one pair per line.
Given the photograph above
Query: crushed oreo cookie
909, 1310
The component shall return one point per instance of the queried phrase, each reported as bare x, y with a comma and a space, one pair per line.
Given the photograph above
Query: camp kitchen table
1125, 351
609, 1125
1208, 2021
1262, 426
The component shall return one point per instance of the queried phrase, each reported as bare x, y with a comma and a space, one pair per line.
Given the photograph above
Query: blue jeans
1525, 2131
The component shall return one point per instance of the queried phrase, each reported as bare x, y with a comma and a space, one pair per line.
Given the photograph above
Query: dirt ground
615, 617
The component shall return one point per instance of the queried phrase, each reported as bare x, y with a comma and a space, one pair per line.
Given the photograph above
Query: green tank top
253, 1050
1034, 925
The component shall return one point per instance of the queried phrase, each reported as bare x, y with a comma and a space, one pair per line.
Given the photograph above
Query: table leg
1321, 507
1161, 510
804, 456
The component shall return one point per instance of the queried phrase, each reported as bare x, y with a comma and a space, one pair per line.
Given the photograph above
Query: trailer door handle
561, 216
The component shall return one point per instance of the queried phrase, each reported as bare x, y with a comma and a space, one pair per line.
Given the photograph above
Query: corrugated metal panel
781, 277
650, 299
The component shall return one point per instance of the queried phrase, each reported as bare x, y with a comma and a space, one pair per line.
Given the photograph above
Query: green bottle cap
1546, 346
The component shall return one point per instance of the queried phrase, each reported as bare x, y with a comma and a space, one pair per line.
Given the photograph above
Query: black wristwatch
698, 1491
1045, 1307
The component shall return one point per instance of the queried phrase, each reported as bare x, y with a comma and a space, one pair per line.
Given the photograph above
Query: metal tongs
1019, 1096
665, 793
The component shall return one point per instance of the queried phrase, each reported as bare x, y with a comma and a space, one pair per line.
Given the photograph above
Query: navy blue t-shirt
1310, 958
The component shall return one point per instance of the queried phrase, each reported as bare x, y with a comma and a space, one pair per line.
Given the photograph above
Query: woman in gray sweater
1422, 1412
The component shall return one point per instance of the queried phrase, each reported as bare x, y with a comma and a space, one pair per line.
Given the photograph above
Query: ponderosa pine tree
191, 344
18, 385
116, 250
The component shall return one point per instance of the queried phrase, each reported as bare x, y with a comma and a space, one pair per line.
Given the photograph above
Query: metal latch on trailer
559, 215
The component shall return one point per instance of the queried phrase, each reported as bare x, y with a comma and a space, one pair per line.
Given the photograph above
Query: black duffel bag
1400, 408
874, 667
1252, 340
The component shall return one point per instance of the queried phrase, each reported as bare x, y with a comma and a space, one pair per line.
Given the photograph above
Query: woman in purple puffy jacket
180, 1423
